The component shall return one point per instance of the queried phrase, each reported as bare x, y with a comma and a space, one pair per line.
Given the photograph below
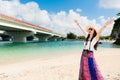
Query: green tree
106, 37
118, 14
71, 35
81, 37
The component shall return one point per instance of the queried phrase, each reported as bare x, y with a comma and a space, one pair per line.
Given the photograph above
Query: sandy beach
61, 67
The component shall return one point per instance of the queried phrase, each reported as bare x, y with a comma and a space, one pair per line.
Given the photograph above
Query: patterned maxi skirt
88, 67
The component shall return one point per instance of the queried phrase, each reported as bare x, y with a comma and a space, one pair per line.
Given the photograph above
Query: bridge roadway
19, 31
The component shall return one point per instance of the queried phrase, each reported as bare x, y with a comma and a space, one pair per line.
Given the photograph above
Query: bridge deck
20, 22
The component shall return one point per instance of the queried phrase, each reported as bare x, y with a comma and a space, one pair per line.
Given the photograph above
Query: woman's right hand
76, 22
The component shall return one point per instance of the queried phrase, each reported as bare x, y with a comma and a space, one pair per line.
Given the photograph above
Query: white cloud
111, 4
61, 22
79, 10
29, 12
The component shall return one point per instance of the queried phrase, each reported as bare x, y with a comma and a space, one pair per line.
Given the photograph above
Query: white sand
61, 67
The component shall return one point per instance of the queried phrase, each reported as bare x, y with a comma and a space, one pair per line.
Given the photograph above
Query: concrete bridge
20, 31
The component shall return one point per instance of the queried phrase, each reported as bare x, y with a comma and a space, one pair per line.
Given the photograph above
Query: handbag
85, 53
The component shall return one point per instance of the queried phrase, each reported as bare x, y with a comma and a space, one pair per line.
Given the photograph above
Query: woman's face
91, 31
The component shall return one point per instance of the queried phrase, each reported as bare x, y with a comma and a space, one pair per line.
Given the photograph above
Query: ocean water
11, 51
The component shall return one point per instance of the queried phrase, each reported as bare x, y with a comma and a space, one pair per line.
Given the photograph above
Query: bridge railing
20, 22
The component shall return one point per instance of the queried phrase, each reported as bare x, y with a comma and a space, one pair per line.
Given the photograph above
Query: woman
88, 66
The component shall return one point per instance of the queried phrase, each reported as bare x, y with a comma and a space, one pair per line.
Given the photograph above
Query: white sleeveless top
90, 44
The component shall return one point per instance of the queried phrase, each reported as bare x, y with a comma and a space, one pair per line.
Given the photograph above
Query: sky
59, 15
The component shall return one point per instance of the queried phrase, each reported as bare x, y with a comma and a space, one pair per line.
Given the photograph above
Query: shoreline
61, 66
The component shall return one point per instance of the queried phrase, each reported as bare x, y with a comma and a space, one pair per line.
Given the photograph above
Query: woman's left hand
109, 22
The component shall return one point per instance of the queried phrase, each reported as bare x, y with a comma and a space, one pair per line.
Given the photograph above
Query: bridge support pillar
59, 38
43, 37
19, 36
53, 38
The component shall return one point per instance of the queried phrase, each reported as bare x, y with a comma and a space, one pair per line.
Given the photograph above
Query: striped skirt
88, 67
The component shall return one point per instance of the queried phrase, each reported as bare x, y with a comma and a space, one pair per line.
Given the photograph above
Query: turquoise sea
11, 51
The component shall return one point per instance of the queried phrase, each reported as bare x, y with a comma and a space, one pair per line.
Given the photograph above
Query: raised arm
80, 27
105, 26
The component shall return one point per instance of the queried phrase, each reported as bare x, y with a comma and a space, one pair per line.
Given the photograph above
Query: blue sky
59, 15
90, 8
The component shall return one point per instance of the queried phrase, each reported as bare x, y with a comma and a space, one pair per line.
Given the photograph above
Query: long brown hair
94, 35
